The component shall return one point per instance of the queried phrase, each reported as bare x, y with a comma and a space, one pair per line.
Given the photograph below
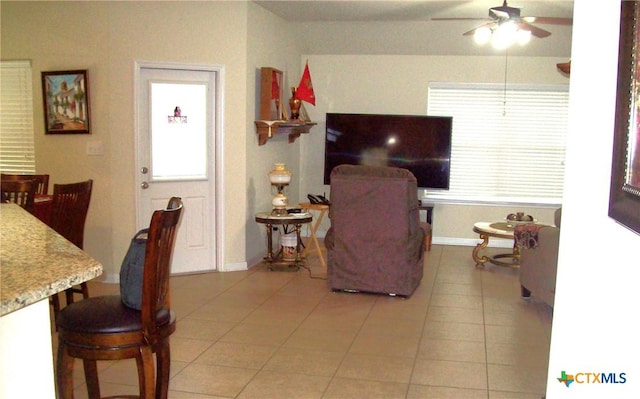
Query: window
508, 141
16, 118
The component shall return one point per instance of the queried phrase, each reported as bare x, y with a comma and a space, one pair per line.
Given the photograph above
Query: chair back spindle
70, 208
21, 192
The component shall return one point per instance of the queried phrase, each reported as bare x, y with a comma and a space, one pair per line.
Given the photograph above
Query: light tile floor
465, 333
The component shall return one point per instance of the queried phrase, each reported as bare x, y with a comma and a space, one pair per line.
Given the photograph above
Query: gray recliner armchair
538, 246
376, 243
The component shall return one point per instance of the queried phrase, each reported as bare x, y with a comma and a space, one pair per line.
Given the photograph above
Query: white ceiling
405, 27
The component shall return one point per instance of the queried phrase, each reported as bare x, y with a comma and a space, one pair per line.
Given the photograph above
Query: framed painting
65, 95
624, 197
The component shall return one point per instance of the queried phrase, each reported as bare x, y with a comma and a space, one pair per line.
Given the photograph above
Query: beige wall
399, 85
106, 38
271, 43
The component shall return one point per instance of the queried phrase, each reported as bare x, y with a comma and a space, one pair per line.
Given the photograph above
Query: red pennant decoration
305, 87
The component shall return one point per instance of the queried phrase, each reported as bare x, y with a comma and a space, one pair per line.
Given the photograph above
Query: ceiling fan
503, 14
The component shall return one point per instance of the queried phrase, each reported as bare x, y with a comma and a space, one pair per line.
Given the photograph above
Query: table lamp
279, 178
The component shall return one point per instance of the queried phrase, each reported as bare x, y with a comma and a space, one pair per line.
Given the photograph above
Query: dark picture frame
624, 196
65, 96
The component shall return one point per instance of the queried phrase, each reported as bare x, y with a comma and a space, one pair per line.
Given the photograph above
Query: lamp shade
279, 175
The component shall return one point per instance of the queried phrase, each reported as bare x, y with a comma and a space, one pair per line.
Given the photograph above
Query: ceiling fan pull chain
504, 98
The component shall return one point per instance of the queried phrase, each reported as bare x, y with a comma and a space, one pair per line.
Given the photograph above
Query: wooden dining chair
41, 180
21, 192
103, 328
70, 208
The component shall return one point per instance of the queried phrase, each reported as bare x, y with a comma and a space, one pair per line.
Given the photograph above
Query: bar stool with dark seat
103, 328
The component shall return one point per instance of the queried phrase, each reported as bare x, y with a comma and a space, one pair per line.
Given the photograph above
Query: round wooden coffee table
498, 230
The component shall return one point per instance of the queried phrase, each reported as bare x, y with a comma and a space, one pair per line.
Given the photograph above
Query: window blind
16, 118
508, 141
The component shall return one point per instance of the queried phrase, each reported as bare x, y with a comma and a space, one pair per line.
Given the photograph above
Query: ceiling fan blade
548, 20
472, 31
535, 31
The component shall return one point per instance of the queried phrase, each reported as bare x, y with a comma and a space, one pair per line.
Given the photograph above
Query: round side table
295, 219
498, 230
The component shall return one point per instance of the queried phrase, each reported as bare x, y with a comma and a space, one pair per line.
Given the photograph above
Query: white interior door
175, 137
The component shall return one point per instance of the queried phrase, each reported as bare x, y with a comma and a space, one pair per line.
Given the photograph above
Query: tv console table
427, 206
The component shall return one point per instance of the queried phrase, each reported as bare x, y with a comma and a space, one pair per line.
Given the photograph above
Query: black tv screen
421, 144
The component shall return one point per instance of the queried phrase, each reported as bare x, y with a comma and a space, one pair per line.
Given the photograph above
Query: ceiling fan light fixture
523, 36
504, 35
482, 35
506, 18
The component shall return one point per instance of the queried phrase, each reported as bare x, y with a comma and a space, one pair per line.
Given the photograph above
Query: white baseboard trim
110, 278
114, 278
234, 267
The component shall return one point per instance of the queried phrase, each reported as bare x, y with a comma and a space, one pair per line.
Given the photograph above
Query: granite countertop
35, 261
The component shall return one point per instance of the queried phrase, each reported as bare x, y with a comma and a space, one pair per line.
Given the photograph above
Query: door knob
144, 185
144, 170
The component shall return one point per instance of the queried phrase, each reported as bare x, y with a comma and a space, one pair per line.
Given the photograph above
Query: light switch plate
95, 147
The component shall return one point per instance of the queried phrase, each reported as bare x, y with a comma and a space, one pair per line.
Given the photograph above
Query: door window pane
178, 131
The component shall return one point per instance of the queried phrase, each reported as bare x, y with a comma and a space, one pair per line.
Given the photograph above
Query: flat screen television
421, 144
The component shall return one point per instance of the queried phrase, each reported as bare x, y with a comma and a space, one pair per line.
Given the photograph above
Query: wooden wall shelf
273, 119
268, 129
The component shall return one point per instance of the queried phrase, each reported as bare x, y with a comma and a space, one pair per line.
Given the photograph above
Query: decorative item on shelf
304, 92
294, 104
271, 81
279, 178
273, 115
